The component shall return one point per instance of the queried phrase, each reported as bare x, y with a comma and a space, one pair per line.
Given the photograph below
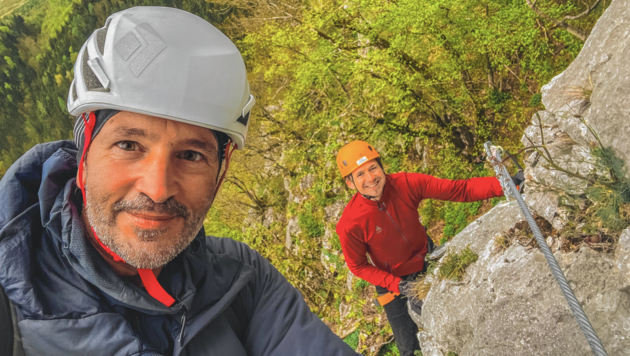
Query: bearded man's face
149, 183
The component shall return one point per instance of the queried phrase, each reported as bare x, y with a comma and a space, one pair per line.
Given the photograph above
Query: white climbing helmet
167, 63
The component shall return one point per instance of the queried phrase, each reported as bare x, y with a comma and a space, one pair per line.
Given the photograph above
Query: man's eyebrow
132, 131
201, 145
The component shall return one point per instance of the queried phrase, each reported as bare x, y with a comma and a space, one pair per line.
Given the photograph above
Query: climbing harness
433, 253
494, 155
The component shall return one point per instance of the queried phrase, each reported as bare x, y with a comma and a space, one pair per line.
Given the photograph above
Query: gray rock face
510, 304
597, 84
595, 88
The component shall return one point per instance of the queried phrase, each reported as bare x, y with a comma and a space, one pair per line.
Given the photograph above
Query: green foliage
495, 201
455, 264
498, 99
361, 284
399, 74
352, 339
389, 350
535, 100
430, 211
609, 196
457, 215
431, 266
310, 225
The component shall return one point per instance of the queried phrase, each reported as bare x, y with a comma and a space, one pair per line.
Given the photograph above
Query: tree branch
577, 32
586, 12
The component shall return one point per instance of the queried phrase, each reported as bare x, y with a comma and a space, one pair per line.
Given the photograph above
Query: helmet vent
100, 39
74, 91
370, 148
243, 119
91, 80
345, 163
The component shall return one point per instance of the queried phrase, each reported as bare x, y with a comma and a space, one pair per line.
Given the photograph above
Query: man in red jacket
382, 221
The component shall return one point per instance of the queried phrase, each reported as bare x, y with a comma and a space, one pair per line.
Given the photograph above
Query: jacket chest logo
378, 229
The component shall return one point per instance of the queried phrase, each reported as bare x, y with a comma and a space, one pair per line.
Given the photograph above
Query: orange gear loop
353, 155
147, 276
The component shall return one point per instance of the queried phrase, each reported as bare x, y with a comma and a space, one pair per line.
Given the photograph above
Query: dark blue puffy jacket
230, 300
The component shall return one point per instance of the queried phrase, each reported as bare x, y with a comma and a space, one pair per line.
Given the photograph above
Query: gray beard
104, 224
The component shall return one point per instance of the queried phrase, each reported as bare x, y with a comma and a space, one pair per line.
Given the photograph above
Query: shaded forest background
426, 82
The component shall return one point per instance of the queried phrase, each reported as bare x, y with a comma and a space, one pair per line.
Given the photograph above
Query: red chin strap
147, 276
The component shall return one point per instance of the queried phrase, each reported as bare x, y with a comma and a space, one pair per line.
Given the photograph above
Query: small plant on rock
597, 213
455, 264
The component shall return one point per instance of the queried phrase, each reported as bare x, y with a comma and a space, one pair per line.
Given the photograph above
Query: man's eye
192, 156
127, 145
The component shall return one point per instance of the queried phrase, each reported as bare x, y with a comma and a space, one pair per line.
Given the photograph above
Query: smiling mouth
151, 221
371, 185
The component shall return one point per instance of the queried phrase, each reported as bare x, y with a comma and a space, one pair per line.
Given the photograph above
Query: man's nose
158, 180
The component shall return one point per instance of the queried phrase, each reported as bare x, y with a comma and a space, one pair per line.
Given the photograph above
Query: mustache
142, 204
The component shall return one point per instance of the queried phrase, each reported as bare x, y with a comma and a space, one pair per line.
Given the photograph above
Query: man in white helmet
102, 239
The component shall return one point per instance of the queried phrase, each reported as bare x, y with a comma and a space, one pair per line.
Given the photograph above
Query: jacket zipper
393, 222
388, 268
181, 333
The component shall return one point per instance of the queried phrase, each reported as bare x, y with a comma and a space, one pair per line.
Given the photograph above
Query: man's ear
350, 183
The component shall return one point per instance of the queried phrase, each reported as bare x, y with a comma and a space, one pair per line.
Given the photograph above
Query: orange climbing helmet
353, 155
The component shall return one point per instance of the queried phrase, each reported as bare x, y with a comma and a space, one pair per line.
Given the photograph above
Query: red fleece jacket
389, 230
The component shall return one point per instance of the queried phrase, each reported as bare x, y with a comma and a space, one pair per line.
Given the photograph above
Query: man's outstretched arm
281, 323
424, 186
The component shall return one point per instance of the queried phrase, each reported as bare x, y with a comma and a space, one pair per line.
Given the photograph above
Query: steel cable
509, 189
